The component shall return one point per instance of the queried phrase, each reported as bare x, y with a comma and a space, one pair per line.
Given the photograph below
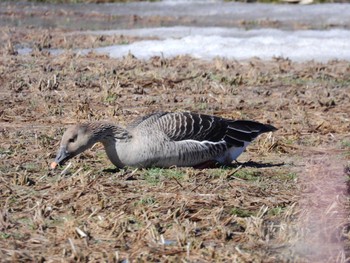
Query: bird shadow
248, 164
214, 165
111, 170
252, 164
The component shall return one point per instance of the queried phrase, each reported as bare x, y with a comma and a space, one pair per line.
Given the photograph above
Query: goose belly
177, 161
189, 153
163, 154
142, 155
232, 154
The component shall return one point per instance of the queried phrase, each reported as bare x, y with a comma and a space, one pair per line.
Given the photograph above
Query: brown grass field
287, 201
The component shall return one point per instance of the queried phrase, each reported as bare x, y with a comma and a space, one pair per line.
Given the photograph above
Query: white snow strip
207, 43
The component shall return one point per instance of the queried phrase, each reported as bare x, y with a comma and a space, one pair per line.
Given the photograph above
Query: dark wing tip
245, 131
247, 126
268, 128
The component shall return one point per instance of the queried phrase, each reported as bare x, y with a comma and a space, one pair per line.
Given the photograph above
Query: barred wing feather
201, 127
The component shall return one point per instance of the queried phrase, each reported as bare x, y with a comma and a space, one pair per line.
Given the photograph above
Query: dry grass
58, 39
292, 194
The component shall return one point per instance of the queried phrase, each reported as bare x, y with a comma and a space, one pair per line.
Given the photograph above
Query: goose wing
181, 126
145, 120
200, 127
242, 131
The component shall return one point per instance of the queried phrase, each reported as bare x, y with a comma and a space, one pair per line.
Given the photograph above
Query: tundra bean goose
164, 139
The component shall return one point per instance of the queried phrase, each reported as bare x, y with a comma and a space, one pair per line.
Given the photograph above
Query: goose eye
73, 139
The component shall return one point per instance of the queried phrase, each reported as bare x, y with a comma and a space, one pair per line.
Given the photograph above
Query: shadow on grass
235, 165
212, 165
111, 170
252, 164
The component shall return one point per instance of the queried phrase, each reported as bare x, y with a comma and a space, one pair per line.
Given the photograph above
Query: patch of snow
207, 43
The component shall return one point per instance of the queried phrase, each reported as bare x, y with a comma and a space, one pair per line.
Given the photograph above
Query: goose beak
62, 156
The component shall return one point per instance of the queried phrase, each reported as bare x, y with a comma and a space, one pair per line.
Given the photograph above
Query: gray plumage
164, 139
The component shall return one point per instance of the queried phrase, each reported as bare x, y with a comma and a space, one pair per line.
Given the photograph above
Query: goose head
76, 139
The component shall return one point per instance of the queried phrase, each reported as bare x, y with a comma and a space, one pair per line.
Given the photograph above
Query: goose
164, 139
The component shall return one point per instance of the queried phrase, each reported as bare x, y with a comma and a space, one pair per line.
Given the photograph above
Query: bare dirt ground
287, 202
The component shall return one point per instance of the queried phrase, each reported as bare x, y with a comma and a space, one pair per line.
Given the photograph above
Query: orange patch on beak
53, 165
